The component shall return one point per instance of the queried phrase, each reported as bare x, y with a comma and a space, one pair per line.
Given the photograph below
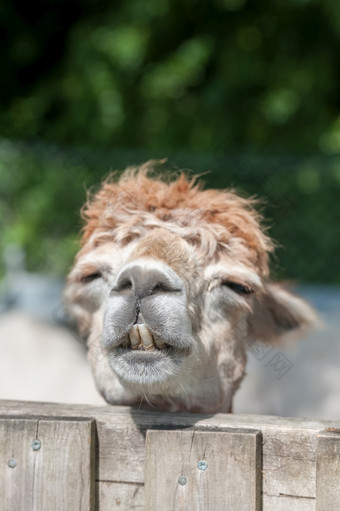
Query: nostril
124, 285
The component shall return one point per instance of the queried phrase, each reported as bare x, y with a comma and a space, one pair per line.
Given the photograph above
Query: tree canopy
208, 75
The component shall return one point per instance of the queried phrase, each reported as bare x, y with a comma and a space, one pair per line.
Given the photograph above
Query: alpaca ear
278, 312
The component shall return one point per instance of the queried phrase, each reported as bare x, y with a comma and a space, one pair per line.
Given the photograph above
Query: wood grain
328, 472
287, 503
230, 481
119, 496
289, 450
57, 476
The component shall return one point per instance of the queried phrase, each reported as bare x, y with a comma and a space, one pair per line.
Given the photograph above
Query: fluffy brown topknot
128, 205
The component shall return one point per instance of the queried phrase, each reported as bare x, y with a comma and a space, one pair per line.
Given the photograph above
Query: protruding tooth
146, 336
134, 337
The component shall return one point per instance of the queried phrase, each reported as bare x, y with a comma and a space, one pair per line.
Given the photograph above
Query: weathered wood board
119, 496
217, 471
328, 471
46, 464
289, 450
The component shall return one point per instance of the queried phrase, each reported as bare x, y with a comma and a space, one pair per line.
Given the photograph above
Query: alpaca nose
141, 282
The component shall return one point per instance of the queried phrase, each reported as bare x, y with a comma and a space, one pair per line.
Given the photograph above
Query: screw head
36, 444
182, 480
202, 465
12, 463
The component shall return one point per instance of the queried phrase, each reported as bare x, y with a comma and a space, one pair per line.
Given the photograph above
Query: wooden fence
77, 457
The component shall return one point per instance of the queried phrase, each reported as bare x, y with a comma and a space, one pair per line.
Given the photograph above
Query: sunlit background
245, 92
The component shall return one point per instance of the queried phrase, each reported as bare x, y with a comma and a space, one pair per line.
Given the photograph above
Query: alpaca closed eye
241, 289
85, 279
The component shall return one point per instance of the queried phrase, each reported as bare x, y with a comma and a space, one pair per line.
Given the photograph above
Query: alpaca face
169, 320
175, 335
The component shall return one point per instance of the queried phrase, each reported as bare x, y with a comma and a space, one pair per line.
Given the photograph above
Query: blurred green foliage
209, 84
39, 207
194, 75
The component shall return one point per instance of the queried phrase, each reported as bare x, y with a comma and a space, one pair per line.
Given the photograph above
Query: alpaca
170, 288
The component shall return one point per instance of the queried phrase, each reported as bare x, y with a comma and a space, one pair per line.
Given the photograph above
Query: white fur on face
198, 320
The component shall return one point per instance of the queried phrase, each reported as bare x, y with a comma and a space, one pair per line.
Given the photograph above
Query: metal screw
182, 480
202, 465
36, 444
12, 463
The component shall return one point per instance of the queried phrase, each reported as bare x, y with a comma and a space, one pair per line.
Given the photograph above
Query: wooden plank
287, 503
289, 462
17, 463
196, 470
288, 452
148, 419
328, 471
119, 496
54, 473
289, 444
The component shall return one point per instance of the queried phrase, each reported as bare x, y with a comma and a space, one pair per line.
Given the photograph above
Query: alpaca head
170, 288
